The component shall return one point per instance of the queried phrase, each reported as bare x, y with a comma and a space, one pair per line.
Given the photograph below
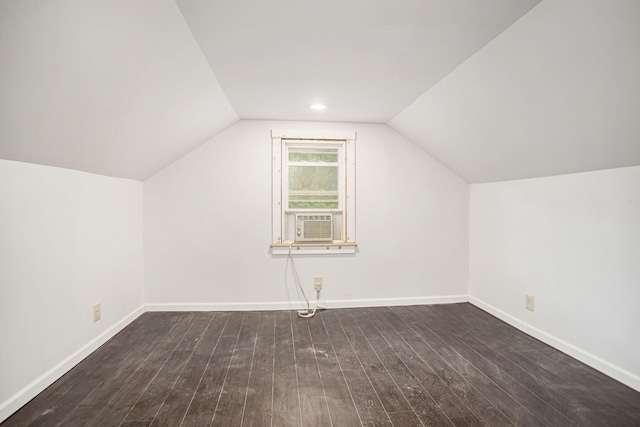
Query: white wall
207, 226
573, 242
68, 239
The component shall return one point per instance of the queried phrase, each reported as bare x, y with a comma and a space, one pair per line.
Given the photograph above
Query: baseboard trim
296, 305
607, 368
384, 302
30, 391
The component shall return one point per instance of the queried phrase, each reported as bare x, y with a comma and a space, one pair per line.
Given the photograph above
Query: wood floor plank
481, 406
118, 374
367, 402
259, 401
339, 400
117, 408
211, 336
55, 403
503, 401
230, 405
150, 402
506, 375
313, 403
317, 331
177, 402
420, 366
404, 419
570, 392
535, 385
527, 403
421, 402
583, 399
286, 403
389, 366
177, 333
83, 416
338, 339
202, 407
98, 379
598, 393
49, 406
364, 346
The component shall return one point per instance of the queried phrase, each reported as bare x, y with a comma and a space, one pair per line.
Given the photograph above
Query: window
313, 173
313, 192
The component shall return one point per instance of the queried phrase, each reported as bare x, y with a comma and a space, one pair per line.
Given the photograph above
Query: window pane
313, 157
313, 205
326, 155
313, 178
313, 200
319, 197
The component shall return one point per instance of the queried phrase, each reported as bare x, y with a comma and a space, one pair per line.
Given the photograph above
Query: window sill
338, 248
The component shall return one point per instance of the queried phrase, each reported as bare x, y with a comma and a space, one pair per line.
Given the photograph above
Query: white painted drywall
68, 239
207, 226
555, 93
573, 242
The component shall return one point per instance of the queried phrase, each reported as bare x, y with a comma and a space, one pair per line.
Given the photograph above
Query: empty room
319, 213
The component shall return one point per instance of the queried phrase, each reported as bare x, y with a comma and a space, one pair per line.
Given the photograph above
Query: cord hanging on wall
308, 313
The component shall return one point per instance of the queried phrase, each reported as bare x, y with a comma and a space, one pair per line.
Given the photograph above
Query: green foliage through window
313, 157
313, 178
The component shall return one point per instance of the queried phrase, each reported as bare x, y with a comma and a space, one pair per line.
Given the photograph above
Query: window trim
346, 244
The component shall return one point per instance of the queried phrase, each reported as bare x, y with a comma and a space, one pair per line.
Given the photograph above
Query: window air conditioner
314, 227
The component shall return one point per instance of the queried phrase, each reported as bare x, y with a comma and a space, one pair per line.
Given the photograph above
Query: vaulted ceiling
495, 90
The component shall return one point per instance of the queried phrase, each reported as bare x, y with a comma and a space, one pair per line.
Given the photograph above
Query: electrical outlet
528, 302
96, 312
317, 283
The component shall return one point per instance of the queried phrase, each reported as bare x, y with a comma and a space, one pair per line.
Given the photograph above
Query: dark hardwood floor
437, 365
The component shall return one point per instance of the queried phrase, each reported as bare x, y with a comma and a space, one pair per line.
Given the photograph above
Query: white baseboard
15, 402
226, 306
384, 302
297, 305
620, 374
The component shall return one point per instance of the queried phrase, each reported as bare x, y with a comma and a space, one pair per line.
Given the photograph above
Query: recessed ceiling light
317, 106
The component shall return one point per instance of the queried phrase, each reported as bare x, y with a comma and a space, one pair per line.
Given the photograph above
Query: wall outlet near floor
528, 302
96, 312
321, 305
317, 283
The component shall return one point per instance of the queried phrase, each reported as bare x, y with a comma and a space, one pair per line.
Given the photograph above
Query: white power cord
308, 313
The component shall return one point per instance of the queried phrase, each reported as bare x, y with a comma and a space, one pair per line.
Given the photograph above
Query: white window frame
346, 142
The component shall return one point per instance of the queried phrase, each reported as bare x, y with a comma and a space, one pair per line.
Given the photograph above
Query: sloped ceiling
558, 92
123, 88
114, 87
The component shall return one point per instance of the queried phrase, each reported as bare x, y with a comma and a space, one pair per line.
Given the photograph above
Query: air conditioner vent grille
314, 227
314, 217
